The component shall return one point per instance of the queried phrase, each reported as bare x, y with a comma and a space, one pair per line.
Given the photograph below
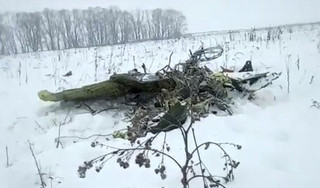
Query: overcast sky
202, 15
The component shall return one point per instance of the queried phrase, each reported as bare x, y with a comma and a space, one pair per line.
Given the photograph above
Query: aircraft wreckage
162, 101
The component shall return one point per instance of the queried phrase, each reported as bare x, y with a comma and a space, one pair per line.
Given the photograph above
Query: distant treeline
64, 29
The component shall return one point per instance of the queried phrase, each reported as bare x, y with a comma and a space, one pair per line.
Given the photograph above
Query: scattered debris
161, 101
68, 74
315, 104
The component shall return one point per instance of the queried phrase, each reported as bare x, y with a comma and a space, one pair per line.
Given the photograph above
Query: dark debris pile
199, 91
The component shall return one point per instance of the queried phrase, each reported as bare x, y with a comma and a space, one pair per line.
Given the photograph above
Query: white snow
279, 131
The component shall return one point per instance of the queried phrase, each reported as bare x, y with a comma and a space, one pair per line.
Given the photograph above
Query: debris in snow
68, 74
315, 104
171, 90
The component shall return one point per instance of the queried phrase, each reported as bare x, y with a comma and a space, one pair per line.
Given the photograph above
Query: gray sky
202, 15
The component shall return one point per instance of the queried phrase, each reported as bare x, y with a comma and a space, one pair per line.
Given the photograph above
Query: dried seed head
163, 176
125, 165
82, 171
98, 168
162, 168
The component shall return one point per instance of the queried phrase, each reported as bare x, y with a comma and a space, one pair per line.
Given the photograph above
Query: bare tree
137, 19
2, 42
30, 30
7, 39
125, 27
50, 27
173, 24
77, 24
95, 26
88, 24
64, 29
113, 13
157, 23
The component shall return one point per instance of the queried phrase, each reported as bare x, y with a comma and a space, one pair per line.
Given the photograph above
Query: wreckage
162, 101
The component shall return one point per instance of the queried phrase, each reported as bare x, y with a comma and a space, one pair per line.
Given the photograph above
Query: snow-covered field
279, 131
